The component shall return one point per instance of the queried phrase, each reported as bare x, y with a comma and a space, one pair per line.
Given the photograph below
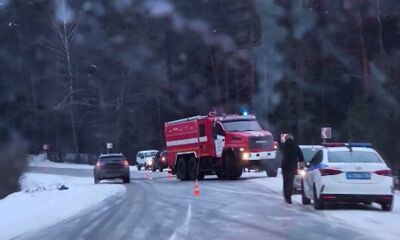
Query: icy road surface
156, 206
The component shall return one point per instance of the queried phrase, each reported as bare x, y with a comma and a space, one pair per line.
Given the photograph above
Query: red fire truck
221, 145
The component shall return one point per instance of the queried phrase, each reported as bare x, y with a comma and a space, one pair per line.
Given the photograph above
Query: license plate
358, 175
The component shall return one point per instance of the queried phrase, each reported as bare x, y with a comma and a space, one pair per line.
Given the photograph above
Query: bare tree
64, 26
378, 16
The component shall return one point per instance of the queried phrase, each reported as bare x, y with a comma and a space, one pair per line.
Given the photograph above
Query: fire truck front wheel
221, 174
232, 169
182, 169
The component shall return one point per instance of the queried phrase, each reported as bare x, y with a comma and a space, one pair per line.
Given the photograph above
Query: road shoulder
40, 204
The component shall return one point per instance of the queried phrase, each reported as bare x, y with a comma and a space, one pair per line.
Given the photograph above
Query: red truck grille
260, 142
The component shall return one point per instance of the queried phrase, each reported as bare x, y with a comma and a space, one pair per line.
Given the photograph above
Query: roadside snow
383, 225
40, 204
41, 160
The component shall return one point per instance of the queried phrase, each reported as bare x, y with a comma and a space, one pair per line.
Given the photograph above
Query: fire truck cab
221, 145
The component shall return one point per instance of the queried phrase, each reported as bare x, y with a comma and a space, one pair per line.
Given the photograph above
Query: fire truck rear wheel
182, 169
192, 168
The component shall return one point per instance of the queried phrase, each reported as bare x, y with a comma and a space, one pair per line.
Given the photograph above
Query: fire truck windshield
241, 126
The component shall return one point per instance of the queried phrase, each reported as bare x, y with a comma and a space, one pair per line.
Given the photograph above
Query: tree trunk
378, 16
214, 70
159, 122
71, 89
365, 61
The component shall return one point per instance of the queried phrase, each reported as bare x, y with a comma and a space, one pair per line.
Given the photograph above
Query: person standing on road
291, 155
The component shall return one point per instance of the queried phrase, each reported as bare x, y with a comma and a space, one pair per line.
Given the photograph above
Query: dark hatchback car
111, 166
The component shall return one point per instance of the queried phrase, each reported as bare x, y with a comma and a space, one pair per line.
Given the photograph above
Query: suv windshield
347, 156
241, 126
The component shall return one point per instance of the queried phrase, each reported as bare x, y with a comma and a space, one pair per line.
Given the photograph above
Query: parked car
160, 161
145, 159
111, 166
309, 152
348, 173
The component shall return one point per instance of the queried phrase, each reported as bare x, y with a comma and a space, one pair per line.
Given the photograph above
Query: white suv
348, 173
145, 159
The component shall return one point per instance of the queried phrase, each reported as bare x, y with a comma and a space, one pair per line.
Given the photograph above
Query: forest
78, 74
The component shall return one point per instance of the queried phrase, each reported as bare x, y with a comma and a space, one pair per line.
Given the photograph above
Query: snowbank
42, 161
385, 224
40, 204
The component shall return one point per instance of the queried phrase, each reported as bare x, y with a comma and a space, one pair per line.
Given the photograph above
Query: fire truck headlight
246, 156
242, 149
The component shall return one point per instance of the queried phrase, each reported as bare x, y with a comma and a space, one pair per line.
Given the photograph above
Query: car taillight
126, 163
98, 164
385, 172
329, 171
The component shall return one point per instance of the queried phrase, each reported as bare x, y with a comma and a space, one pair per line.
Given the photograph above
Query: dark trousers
288, 186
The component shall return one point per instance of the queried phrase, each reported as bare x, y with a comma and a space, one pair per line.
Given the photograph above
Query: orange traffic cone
196, 190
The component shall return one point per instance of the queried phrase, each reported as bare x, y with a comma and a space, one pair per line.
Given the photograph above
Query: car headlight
163, 159
246, 156
301, 172
150, 162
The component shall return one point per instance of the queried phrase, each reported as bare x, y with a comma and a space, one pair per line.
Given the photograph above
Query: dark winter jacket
291, 155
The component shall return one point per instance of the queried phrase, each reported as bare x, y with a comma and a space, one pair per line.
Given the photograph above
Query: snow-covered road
359, 216
40, 204
157, 206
